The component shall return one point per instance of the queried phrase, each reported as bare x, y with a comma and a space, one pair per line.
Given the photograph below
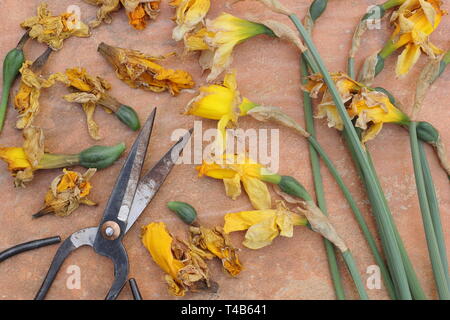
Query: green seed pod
100, 157
427, 133
292, 187
183, 210
383, 90
11, 66
317, 8
129, 117
380, 65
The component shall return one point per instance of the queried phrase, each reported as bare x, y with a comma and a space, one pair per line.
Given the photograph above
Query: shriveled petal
407, 59
258, 193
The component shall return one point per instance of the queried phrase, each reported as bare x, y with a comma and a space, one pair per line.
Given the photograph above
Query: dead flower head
218, 243
53, 30
26, 100
186, 269
139, 70
139, 12
67, 192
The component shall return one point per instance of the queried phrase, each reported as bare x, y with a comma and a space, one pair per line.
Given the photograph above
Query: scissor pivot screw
110, 230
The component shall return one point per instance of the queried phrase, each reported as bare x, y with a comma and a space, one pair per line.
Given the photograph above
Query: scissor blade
119, 203
153, 179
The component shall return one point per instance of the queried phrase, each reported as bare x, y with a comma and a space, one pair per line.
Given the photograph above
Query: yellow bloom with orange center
264, 225
53, 30
139, 70
220, 102
371, 108
185, 270
189, 14
217, 242
414, 21
234, 169
26, 101
67, 192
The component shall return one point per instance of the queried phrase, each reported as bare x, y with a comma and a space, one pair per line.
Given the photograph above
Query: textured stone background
267, 72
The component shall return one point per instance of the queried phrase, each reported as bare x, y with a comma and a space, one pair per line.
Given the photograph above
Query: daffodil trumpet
67, 191
220, 36
11, 65
24, 161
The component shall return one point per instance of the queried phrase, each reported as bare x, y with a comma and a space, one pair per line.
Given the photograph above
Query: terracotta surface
267, 72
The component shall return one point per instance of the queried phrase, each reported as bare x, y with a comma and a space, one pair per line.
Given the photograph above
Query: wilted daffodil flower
23, 161
66, 193
220, 102
264, 225
370, 107
414, 21
26, 100
185, 269
222, 34
92, 91
189, 14
218, 243
53, 30
141, 71
138, 11
234, 169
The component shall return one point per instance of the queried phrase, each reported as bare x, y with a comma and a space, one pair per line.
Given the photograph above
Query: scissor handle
63, 252
26, 246
135, 289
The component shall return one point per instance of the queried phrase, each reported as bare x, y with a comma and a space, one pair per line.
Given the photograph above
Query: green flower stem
391, 3
414, 284
315, 165
315, 11
393, 253
53, 161
350, 262
413, 281
358, 216
351, 67
433, 248
434, 209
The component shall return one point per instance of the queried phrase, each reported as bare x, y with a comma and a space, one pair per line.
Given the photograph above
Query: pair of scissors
128, 200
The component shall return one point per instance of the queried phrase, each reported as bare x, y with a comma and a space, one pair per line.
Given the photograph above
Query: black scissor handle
26, 246
135, 289
63, 251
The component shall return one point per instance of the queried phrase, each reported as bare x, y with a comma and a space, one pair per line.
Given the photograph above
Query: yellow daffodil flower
219, 39
138, 11
141, 71
53, 30
189, 14
66, 193
414, 21
263, 225
370, 107
217, 242
26, 100
220, 102
185, 270
235, 169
